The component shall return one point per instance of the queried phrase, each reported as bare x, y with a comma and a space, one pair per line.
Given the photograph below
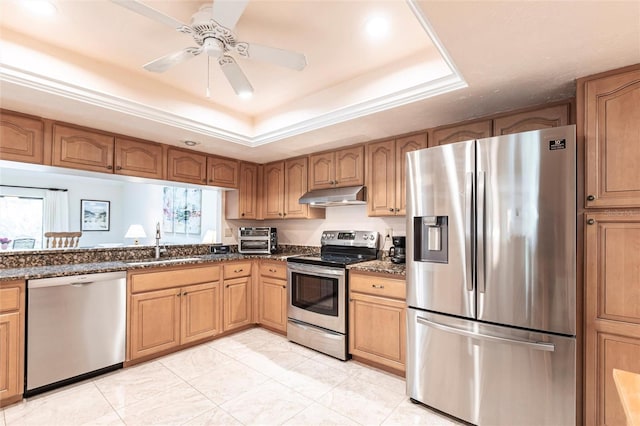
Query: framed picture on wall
94, 215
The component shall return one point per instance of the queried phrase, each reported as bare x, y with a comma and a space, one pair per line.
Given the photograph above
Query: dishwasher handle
76, 280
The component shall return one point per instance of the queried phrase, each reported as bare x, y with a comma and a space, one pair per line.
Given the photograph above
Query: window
21, 217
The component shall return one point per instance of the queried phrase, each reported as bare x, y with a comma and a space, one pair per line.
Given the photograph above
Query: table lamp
135, 232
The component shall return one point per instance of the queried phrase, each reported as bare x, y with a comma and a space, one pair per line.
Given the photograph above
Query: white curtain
56, 211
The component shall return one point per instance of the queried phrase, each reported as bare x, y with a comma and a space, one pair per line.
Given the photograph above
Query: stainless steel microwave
257, 240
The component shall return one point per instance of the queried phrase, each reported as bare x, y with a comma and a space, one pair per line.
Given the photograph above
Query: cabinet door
10, 356
612, 128
377, 328
155, 322
82, 149
404, 145
138, 158
21, 138
222, 172
273, 192
248, 192
612, 311
461, 132
273, 303
237, 303
543, 118
295, 186
186, 166
349, 167
200, 312
381, 176
321, 170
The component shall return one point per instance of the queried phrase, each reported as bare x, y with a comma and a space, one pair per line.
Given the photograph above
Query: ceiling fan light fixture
40, 7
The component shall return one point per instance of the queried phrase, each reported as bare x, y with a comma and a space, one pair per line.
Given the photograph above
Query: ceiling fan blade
164, 63
227, 12
284, 58
149, 12
236, 77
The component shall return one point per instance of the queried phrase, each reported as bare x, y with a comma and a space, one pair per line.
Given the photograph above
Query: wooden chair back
62, 239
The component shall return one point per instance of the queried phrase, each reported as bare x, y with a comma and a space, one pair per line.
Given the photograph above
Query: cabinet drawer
9, 299
235, 270
166, 279
378, 285
274, 269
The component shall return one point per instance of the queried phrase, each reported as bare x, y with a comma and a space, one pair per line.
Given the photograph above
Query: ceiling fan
212, 29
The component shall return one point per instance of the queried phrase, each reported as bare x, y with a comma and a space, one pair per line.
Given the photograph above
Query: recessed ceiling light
40, 7
377, 27
190, 143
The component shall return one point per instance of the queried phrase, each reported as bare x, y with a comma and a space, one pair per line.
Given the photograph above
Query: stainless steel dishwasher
76, 328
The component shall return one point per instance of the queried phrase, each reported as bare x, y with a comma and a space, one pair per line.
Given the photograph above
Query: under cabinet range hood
332, 197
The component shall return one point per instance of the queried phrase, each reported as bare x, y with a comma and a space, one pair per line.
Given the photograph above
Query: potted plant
4, 243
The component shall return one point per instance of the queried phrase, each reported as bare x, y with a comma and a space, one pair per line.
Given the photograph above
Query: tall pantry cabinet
609, 126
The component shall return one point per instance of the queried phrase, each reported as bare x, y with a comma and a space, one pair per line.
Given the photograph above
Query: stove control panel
367, 239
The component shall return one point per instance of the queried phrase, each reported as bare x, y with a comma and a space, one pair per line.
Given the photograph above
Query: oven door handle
314, 269
326, 333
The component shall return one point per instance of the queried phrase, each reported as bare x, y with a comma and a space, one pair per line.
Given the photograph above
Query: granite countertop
35, 272
381, 266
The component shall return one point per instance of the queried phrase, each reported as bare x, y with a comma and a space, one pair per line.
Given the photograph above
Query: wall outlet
228, 232
388, 233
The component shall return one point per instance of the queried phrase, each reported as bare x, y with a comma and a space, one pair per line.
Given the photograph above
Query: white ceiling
444, 61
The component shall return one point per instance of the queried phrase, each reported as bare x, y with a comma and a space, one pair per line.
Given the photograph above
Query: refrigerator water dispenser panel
431, 243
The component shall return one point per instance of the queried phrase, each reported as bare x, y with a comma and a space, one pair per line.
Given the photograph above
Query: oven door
317, 295
261, 246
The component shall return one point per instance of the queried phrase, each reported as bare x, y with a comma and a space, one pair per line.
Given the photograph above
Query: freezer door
491, 375
526, 230
439, 229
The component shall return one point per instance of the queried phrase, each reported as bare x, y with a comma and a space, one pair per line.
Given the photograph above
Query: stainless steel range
318, 285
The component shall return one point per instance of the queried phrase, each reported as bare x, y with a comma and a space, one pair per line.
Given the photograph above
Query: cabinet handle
377, 286
284, 214
590, 198
118, 167
227, 286
280, 214
590, 222
109, 167
184, 294
238, 270
391, 209
397, 210
284, 286
241, 214
272, 270
178, 295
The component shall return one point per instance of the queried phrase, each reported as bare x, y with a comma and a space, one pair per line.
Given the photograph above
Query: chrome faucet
158, 251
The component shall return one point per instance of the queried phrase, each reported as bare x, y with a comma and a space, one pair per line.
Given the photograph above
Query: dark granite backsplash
32, 258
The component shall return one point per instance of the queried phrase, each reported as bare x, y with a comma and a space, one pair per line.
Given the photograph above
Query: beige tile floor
250, 378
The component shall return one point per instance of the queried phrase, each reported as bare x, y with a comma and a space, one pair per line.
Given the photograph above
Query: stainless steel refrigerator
491, 285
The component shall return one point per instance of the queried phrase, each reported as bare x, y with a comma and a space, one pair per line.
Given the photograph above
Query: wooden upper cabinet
222, 172
336, 169
273, 191
243, 203
537, 119
82, 149
21, 138
403, 146
381, 188
460, 132
610, 107
138, 158
295, 186
186, 166
386, 174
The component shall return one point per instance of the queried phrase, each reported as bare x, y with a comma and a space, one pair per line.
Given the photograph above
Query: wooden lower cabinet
612, 310
377, 319
272, 295
12, 339
170, 317
237, 295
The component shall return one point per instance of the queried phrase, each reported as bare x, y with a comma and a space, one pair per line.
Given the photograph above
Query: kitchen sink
162, 261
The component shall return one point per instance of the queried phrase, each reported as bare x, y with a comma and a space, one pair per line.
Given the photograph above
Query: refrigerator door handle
541, 346
468, 232
480, 230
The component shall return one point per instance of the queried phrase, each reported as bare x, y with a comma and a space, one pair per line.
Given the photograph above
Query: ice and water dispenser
431, 239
